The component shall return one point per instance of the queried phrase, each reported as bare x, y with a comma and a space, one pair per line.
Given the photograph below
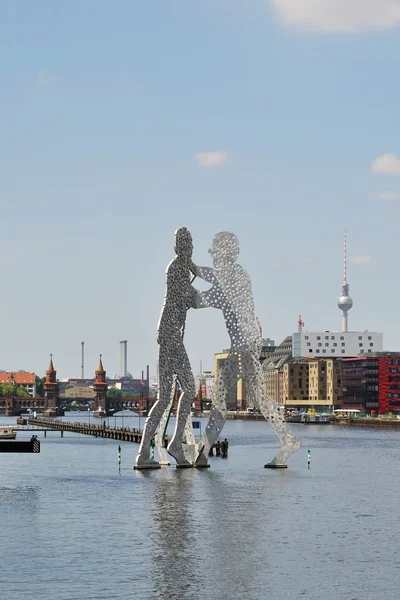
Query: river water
75, 527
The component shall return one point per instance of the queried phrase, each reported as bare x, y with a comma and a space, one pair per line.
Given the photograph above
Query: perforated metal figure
231, 292
173, 359
189, 447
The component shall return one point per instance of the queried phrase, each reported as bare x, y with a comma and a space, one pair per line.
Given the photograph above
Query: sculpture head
224, 249
183, 243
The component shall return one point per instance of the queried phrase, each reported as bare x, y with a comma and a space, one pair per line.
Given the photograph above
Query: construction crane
259, 326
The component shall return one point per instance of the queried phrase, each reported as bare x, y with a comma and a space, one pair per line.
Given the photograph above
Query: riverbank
334, 420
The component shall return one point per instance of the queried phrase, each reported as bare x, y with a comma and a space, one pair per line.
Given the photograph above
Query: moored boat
7, 433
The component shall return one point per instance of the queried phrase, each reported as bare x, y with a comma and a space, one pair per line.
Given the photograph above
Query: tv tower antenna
300, 324
345, 302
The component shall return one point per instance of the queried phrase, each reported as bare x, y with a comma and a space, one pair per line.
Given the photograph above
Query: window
335, 344
361, 351
324, 351
360, 344
371, 344
317, 351
306, 337
318, 337
342, 344
326, 343
310, 351
360, 337
343, 351
333, 350
327, 337
342, 337
369, 337
319, 344
308, 343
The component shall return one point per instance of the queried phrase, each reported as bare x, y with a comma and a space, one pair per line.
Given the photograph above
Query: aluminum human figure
173, 359
189, 448
231, 292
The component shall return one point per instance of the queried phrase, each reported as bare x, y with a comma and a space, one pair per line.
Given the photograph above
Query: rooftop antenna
300, 324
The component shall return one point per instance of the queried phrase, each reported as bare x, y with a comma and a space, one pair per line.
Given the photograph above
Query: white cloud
212, 159
349, 16
387, 164
361, 259
44, 78
388, 196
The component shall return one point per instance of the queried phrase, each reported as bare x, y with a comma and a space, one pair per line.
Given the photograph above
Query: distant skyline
275, 119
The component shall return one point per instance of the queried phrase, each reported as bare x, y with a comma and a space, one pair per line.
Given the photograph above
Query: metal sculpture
231, 292
173, 360
189, 447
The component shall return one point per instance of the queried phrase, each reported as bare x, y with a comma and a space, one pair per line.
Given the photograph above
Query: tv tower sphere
345, 302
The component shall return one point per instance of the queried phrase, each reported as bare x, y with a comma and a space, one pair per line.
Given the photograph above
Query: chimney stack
83, 361
124, 358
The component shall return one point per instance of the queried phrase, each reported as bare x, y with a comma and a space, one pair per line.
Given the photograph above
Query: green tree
114, 393
7, 388
39, 385
21, 392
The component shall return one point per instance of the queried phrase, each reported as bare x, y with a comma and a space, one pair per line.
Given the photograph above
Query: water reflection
173, 535
18, 498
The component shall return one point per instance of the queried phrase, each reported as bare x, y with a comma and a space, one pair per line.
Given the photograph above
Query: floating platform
20, 447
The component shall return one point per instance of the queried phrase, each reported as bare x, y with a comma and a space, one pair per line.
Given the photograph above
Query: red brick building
372, 383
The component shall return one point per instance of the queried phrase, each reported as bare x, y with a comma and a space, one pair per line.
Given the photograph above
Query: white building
336, 343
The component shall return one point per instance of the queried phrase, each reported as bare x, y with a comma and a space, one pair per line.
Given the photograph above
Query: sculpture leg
227, 379
255, 385
162, 428
186, 380
143, 460
189, 448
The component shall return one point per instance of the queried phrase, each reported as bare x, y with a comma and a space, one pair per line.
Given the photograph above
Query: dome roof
127, 376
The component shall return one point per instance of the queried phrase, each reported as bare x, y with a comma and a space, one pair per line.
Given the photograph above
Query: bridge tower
51, 392
100, 386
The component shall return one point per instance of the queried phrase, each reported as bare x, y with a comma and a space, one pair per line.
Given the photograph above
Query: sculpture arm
205, 273
207, 299
193, 272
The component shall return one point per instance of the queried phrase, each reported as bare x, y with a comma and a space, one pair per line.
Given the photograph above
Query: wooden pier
122, 434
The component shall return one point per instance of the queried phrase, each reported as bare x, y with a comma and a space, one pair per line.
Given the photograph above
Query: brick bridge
50, 404
11, 405
110, 406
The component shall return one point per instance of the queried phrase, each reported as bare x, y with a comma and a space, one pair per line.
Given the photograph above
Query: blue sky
121, 121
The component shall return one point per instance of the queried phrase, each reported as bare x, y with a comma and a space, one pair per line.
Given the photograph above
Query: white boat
7, 433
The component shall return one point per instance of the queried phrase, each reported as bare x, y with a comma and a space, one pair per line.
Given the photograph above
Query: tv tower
344, 301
